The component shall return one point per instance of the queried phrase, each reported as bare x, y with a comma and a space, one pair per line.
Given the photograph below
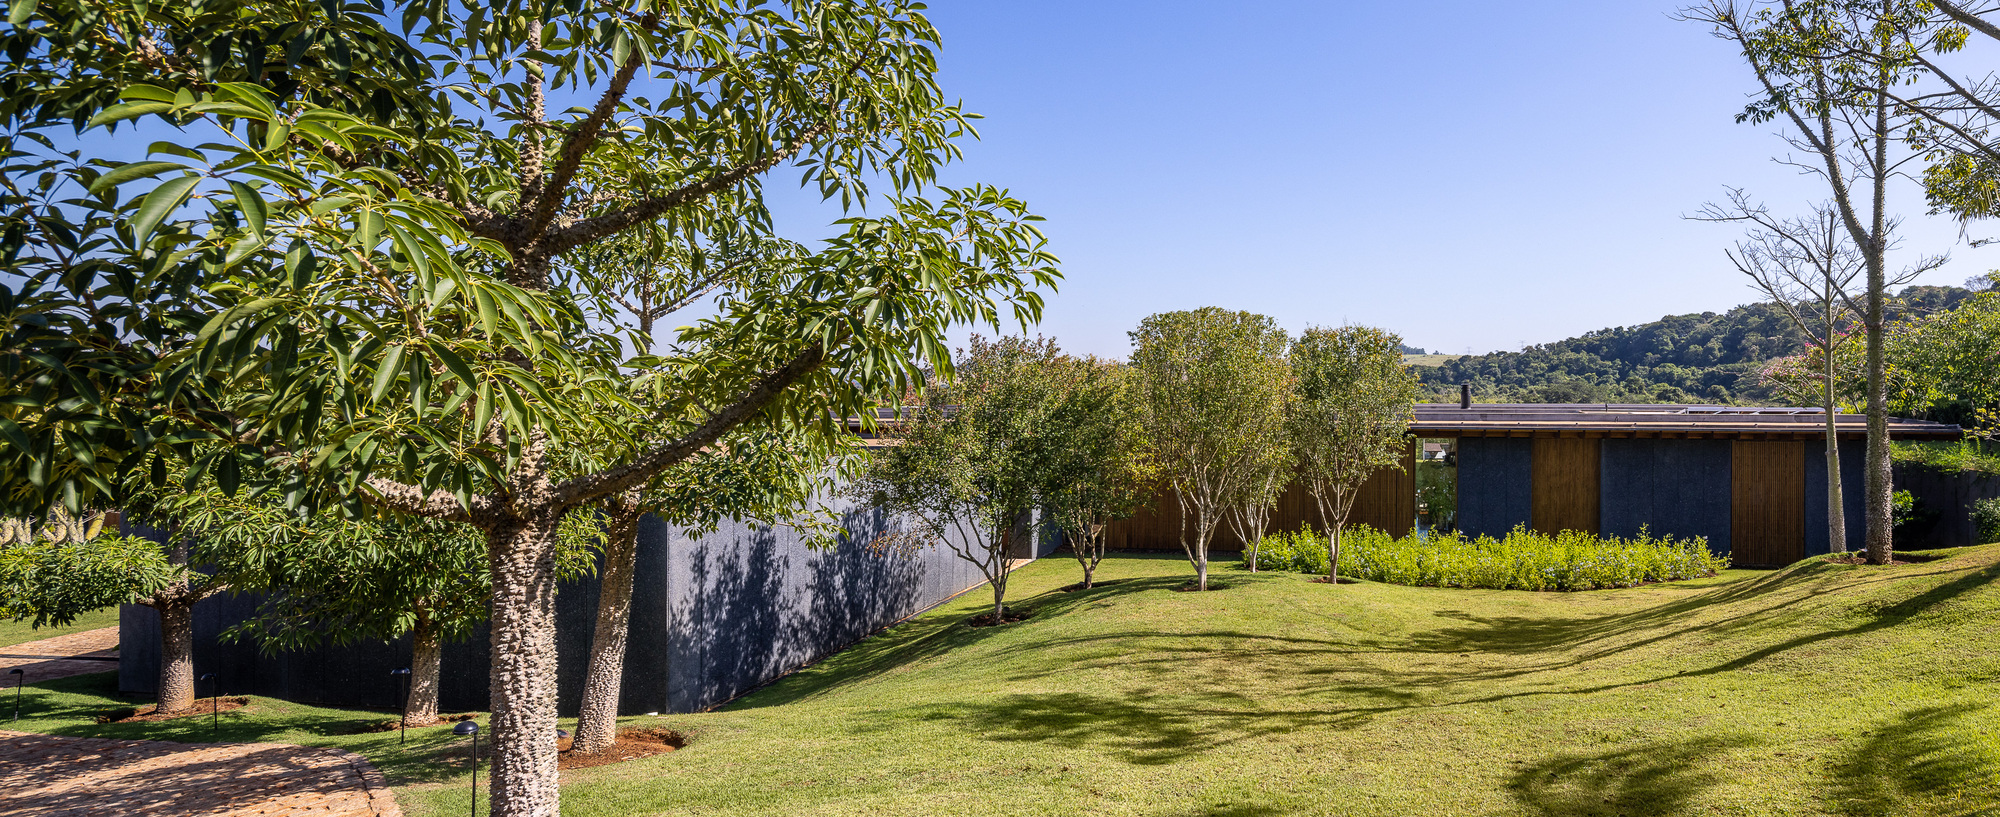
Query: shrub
1986, 518
1523, 560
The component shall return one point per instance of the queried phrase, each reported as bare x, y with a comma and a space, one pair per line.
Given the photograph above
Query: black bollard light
464, 729
20, 679
403, 675
214, 709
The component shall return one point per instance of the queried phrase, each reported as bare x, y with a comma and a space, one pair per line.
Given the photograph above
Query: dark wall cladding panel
1671, 487
1495, 490
1944, 506
1853, 458
712, 617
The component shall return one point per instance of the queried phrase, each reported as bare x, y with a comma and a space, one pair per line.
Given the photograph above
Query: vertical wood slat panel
1564, 483
1767, 503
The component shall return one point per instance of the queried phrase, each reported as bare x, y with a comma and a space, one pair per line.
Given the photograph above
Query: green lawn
1823, 689
18, 632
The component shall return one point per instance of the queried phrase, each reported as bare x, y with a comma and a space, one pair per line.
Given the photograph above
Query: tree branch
410, 499
1969, 19
579, 142
661, 457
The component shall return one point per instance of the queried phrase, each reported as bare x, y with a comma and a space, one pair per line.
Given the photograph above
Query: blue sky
1472, 175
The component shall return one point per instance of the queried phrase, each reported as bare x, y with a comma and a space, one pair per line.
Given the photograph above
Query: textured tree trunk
176, 689
1877, 482
426, 662
597, 721
1333, 553
1836, 513
521, 553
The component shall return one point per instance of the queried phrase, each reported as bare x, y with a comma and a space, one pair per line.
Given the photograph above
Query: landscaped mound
1524, 560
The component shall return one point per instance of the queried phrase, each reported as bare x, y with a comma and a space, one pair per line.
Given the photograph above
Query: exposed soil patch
202, 706
1342, 580
632, 744
1192, 587
986, 619
393, 724
1093, 585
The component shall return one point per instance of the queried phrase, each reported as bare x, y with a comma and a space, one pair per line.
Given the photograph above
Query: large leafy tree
1099, 467
1211, 383
1350, 417
968, 468
364, 292
1826, 68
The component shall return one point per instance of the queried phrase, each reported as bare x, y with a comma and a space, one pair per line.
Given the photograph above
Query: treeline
1708, 357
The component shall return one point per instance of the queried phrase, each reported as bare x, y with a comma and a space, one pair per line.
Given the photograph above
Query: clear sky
1472, 175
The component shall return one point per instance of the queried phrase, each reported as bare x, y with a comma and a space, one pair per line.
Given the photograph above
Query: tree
1947, 364
967, 469
362, 292
1211, 383
1099, 467
1825, 67
1350, 419
1807, 267
1268, 470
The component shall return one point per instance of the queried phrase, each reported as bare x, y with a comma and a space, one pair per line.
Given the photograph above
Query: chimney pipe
1465, 395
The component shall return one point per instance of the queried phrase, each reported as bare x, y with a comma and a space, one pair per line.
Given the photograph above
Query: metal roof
1653, 420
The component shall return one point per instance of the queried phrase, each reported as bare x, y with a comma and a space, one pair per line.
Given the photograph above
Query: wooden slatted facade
1564, 484
1767, 504
1388, 501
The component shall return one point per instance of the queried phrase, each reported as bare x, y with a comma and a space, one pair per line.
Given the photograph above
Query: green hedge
1523, 560
1985, 517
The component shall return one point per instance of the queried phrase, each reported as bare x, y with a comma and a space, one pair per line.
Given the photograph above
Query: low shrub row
1522, 560
1985, 517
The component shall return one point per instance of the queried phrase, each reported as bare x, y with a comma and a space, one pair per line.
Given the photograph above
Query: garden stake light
20, 678
463, 729
214, 708
403, 675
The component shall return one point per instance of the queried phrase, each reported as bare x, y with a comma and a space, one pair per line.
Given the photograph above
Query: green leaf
160, 201
133, 170
126, 110
252, 204
385, 374
20, 11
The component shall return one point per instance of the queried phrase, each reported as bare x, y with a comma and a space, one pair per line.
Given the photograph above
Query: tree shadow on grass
1142, 728
1647, 781
1925, 761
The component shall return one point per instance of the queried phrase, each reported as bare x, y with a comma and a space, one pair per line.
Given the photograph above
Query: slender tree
1350, 418
1211, 384
1807, 266
1824, 67
1099, 467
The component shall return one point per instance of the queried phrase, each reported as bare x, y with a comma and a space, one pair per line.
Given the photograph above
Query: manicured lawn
1823, 689
18, 632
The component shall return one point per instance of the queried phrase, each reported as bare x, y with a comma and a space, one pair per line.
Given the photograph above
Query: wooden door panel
1564, 484
1767, 502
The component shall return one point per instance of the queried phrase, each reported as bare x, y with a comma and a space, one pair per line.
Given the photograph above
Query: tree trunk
426, 662
1836, 512
1333, 553
176, 688
1877, 481
999, 595
597, 722
1089, 574
521, 554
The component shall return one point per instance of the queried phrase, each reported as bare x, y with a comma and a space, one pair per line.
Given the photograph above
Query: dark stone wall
1672, 487
1494, 484
1853, 458
713, 616
1944, 506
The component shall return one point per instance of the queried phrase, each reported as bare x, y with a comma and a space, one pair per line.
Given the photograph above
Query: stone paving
91, 777
60, 657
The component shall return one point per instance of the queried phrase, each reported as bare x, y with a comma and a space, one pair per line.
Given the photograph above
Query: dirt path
63, 656
53, 776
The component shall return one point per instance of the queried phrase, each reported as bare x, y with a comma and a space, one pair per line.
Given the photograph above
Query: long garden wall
1943, 505
712, 617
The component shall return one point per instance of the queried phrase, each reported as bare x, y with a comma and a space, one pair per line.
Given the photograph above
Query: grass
20, 632
1822, 689
1957, 455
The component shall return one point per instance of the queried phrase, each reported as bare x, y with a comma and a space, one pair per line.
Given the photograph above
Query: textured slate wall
1944, 506
1495, 491
1672, 487
1853, 456
712, 617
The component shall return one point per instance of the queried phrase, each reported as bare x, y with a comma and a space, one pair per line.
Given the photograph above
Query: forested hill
1706, 357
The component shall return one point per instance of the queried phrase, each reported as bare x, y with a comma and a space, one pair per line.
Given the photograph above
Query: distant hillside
1706, 357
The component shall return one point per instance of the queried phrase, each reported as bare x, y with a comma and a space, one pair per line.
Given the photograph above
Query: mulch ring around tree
1898, 558
632, 744
1343, 580
986, 619
202, 706
1192, 587
393, 724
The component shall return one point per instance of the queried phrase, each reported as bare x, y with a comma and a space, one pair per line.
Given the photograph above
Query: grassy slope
18, 632
1823, 689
